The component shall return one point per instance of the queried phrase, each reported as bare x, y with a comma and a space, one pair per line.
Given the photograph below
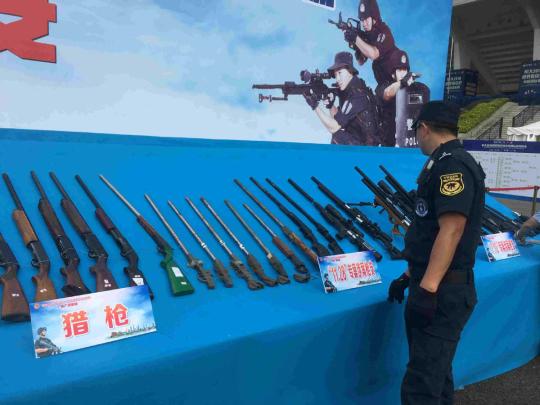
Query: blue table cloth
290, 344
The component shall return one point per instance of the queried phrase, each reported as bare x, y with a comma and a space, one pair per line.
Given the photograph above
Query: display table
290, 344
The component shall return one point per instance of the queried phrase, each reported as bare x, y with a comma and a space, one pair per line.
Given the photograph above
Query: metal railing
494, 131
525, 116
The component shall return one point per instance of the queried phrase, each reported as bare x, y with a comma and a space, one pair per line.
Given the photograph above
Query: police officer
400, 101
354, 121
375, 41
44, 346
329, 287
440, 248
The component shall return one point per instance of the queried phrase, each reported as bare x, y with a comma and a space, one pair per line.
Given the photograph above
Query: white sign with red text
346, 271
72, 323
500, 246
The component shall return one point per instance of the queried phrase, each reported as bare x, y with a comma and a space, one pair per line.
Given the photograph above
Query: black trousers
428, 379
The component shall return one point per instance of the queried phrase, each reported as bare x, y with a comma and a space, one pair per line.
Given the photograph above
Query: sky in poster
185, 68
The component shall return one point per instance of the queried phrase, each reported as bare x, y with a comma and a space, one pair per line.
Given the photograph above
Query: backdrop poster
187, 68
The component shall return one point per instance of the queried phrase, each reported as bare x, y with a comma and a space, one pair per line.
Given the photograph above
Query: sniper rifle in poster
313, 84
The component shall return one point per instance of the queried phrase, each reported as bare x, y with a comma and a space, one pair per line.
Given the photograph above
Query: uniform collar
445, 149
353, 84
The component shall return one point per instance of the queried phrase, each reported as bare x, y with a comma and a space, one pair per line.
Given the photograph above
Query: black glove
350, 35
329, 100
396, 291
405, 81
311, 100
421, 307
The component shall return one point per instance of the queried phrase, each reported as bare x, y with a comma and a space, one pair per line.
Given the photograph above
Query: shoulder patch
444, 155
452, 184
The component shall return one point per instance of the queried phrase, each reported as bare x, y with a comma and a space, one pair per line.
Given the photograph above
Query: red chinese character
75, 323
117, 316
19, 37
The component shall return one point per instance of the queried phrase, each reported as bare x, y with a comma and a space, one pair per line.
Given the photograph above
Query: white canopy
529, 132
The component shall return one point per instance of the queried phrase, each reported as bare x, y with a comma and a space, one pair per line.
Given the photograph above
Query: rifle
104, 278
290, 234
14, 302
332, 243
203, 275
406, 197
44, 286
319, 249
354, 214
180, 285
301, 275
355, 24
238, 266
283, 277
313, 86
219, 267
506, 223
397, 216
74, 284
135, 275
251, 259
345, 228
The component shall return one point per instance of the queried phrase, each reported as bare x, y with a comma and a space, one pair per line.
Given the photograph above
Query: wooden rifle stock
44, 286
14, 302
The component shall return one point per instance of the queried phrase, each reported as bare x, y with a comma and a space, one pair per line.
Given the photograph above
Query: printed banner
224, 69
500, 246
72, 323
351, 270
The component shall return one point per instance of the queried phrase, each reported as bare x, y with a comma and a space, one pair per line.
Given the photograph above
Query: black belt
453, 277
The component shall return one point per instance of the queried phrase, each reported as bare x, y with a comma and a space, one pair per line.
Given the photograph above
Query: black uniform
357, 115
381, 38
387, 114
451, 181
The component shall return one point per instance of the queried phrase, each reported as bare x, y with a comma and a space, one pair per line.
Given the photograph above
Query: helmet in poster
342, 60
398, 59
369, 8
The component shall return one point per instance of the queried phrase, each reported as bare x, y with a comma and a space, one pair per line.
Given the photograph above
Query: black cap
441, 113
398, 59
342, 60
369, 8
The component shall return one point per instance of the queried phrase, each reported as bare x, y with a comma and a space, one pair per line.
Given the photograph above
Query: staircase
507, 112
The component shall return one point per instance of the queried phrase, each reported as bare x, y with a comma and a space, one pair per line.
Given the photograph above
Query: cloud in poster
176, 68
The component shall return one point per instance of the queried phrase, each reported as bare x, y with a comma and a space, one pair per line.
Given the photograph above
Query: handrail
493, 131
525, 115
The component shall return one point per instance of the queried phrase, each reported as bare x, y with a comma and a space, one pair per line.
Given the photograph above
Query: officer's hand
421, 307
406, 81
350, 35
311, 100
396, 291
360, 57
522, 233
329, 100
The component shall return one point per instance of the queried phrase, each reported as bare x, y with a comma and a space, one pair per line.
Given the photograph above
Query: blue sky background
178, 68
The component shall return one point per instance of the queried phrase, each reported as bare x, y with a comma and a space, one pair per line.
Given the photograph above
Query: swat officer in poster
354, 121
329, 287
375, 42
440, 248
44, 346
400, 101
